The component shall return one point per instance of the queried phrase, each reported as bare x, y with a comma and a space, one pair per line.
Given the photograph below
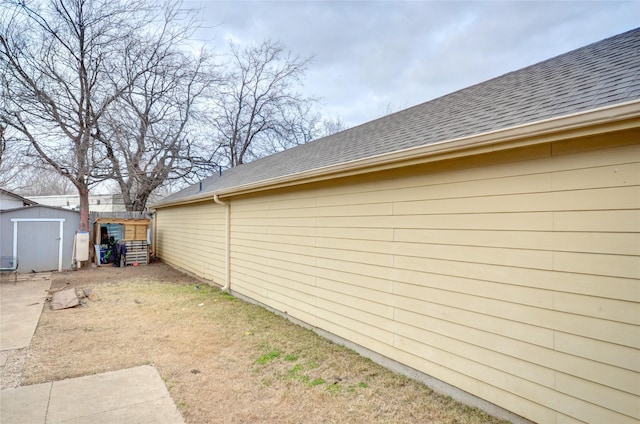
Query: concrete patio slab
135, 395
20, 308
26, 404
132, 414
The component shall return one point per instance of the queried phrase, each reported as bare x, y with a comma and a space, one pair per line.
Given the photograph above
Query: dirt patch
223, 360
11, 365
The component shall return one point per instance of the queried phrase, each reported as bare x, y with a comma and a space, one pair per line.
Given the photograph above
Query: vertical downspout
227, 266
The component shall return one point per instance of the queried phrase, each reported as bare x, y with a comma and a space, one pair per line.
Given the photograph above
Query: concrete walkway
135, 395
20, 308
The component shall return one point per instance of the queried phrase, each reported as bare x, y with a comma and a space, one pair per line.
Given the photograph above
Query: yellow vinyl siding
516, 280
625, 357
192, 238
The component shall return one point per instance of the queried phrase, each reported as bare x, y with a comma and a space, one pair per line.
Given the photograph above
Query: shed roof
38, 207
596, 76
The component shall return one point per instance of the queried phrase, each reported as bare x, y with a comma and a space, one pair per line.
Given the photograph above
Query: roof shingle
595, 76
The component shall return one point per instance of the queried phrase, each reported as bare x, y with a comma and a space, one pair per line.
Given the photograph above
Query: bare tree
111, 90
44, 182
331, 126
25, 173
257, 109
58, 59
10, 162
150, 132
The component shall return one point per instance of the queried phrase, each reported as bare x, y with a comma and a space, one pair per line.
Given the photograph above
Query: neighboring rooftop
10, 200
97, 202
601, 74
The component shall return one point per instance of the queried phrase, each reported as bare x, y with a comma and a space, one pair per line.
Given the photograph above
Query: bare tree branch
58, 56
102, 89
149, 135
257, 109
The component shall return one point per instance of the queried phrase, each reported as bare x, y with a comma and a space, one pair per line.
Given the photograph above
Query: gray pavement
135, 395
20, 308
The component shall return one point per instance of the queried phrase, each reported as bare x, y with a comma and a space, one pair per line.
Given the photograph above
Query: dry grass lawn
223, 360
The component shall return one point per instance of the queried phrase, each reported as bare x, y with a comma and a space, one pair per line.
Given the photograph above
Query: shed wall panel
33, 244
515, 280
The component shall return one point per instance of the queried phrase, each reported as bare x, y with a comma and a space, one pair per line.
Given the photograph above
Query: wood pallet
137, 251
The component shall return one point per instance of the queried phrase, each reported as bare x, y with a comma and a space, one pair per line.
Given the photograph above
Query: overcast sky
371, 58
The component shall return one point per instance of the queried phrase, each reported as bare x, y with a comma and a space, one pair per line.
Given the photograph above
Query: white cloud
373, 56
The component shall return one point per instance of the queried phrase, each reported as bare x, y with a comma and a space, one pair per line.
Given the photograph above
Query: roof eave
195, 198
24, 200
597, 121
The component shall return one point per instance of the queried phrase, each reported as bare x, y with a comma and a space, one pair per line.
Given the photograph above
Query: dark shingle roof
598, 75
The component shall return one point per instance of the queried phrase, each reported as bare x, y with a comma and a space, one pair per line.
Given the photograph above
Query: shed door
38, 244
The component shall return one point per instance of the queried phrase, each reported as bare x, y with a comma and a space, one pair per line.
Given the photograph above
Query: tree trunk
136, 202
140, 202
84, 209
84, 215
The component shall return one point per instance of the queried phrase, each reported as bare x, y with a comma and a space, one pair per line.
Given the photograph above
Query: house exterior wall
36, 248
9, 202
97, 202
192, 238
513, 276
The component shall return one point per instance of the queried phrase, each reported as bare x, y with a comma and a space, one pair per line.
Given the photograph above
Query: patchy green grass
268, 368
291, 357
269, 356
